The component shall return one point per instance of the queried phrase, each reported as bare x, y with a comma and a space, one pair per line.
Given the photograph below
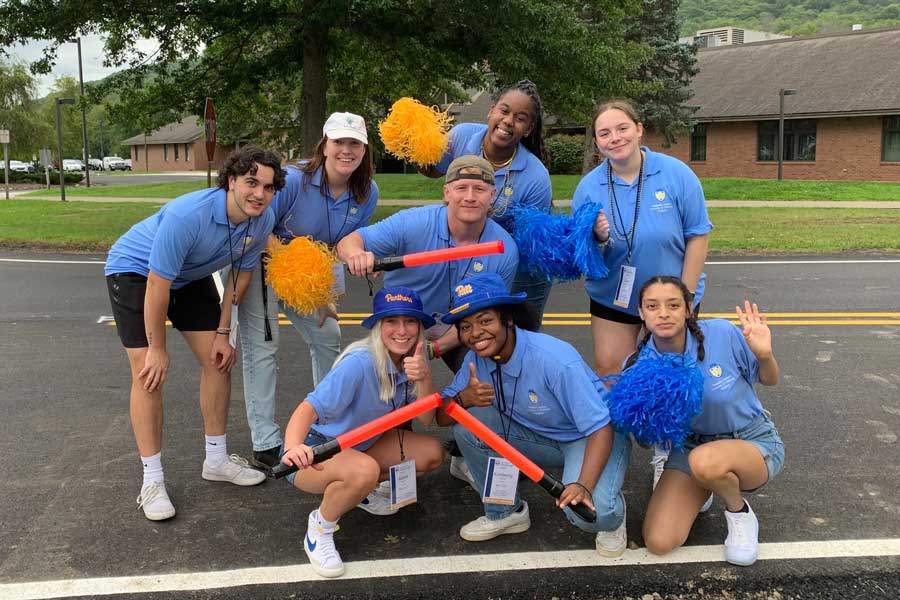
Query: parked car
128, 162
117, 165
21, 167
95, 164
108, 159
71, 164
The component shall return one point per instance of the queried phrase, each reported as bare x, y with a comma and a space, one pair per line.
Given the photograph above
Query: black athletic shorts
611, 314
194, 307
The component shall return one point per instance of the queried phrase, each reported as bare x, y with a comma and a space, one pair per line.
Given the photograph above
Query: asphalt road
137, 178
830, 523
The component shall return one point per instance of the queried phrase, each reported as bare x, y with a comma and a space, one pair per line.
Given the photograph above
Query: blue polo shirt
188, 239
306, 211
672, 210
425, 228
729, 370
525, 182
348, 397
547, 387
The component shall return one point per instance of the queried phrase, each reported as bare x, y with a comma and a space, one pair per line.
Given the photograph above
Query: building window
165, 153
698, 142
187, 156
175, 148
890, 140
134, 155
799, 140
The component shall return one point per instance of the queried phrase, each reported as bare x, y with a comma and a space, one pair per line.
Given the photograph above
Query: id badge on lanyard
500, 482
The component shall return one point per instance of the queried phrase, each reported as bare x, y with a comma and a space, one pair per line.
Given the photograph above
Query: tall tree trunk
315, 82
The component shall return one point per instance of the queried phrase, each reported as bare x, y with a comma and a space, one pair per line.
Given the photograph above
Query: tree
70, 118
18, 111
275, 68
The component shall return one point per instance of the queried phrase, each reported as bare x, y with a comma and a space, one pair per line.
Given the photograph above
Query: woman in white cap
371, 378
326, 197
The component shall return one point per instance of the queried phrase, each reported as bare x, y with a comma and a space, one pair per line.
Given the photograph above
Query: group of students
480, 316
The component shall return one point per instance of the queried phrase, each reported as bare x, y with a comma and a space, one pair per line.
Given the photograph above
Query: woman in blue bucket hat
370, 378
538, 393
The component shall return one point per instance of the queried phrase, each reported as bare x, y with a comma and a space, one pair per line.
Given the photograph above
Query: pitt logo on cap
397, 298
660, 195
463, 290
715, 371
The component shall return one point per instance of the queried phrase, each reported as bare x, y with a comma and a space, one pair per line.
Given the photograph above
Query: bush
566, 154
71, 178
19, 177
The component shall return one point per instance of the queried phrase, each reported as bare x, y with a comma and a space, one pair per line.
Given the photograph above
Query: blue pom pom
657, 398
586, 254
540, 237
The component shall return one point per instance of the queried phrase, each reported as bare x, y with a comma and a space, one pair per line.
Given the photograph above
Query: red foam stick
522, 462
322, 452
389, 263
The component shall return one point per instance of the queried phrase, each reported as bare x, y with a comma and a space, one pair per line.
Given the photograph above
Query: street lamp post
84, 137
779, 146
59, 147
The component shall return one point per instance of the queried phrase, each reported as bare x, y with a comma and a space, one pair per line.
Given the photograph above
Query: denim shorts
313, 438
760, 432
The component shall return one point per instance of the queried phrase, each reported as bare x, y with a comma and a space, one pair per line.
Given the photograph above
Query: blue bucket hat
397, 301
477, 293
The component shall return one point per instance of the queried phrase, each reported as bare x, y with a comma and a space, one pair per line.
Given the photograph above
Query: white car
21, 167
117, 165
71, 164
95, 164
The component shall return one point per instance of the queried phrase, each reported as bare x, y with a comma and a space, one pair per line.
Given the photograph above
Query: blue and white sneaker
377, 503
319, 546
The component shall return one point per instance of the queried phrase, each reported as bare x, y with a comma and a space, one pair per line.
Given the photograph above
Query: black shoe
264, 460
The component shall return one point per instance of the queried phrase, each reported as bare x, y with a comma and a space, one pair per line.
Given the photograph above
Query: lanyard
627, 237
451, 266
394, 407
497, 380
234, 272
334, 239
504, 194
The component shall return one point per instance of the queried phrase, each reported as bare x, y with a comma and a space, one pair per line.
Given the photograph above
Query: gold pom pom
414, 132
301, 273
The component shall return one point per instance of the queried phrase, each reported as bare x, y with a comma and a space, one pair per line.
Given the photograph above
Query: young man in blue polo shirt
162, 267
464, 219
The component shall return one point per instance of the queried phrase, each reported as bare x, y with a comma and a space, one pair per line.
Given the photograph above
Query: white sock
153, 470
216, 450
324, 523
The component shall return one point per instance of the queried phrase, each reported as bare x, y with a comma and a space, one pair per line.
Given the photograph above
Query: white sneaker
377, 504
708, 504
612, 544
742, 543
660, 456
235, 470
155, 501
384, 488
460, 470
319, 546
482, 528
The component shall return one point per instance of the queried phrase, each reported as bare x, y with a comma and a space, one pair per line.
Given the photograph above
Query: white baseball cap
345, 125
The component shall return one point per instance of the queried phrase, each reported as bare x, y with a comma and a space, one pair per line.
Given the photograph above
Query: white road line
437, 565
55, 262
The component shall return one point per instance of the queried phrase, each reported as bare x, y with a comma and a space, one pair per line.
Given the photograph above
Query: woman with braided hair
733, 446
512, 141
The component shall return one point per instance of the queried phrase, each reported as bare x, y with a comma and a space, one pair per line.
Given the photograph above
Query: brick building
843, 122
177, 146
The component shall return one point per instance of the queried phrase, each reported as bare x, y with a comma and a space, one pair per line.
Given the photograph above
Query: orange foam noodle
302, 273
389, 421
501, 446
456, 253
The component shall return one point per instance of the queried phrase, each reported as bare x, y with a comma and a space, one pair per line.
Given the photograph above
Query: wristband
432, 350
223, 330
459, 400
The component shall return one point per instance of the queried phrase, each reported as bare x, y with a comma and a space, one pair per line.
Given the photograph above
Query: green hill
789, 17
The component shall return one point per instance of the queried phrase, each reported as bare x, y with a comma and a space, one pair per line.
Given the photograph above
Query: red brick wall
196, 160
847, 148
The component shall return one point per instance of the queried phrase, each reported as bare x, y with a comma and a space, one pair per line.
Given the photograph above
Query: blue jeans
538, 290
258, 356
550, 454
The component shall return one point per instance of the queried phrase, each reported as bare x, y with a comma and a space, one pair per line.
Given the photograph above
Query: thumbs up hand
476, 393
416, 366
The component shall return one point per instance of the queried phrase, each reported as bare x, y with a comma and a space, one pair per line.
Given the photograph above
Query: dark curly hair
534, 141
246, 160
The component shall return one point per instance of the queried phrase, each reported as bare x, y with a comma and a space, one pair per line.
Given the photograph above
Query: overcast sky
92, 56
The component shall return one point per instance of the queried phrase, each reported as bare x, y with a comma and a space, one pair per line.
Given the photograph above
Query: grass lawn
96, 225
417, 187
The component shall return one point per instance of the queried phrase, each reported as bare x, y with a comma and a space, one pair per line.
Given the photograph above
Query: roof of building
847, 74
184, 131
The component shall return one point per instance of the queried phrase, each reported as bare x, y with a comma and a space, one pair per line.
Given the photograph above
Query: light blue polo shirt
547, 385
525, 182
729, 370
347, 396
308, 212
672, 210
425, 228
188, 239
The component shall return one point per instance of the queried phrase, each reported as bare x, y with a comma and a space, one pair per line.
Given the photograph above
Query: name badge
403, 483
501, 481
626, 283
339, 286
232, 337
